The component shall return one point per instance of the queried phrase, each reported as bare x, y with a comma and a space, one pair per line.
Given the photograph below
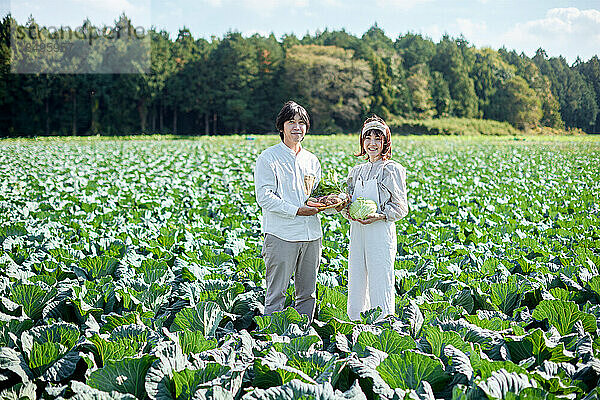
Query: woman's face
373, 144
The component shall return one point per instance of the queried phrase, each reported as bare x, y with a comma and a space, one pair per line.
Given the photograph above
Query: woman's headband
374, 125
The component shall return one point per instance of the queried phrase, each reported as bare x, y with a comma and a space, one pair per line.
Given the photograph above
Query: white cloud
434, 32
470, 29
263, 8
106, 11
23, 6
400, 4
214, 3
570, 32
21, 10
333, 3
74, 12
115, 6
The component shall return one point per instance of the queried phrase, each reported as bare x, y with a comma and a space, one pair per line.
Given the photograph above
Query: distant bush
545, 130
452, 126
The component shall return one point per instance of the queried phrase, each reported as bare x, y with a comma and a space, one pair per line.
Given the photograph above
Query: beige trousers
285, 259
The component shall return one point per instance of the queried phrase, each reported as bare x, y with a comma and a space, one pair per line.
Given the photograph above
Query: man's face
294, 130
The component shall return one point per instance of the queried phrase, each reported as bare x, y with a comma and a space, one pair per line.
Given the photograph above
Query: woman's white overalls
371, 258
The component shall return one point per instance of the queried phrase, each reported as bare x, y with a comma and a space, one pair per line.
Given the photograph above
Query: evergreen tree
382, 92
177, 96
289, 41
162, 66
440, 94
415, 49
6, 78
266, 89
489, 72
529, 71
236, 67
516, 103
591, 72
332, 84
418, 82
376, 39
390, 94
344, 40
449, 60
381, 56
576, 97
236, 84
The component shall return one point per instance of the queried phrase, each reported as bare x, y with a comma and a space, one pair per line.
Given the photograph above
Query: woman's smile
373, 145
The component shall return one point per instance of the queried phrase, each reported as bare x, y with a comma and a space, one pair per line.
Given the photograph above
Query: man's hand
371, 218
342, 206
306, 211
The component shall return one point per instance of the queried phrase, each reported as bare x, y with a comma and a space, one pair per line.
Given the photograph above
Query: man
284, 177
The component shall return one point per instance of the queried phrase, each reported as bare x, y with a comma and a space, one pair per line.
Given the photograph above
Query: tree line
235, 84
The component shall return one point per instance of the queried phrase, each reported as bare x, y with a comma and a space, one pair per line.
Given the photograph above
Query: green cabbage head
361, 208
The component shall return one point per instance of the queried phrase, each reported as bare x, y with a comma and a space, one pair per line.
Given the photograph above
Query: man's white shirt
283, 181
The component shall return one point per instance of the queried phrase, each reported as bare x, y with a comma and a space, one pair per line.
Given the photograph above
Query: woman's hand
371, 218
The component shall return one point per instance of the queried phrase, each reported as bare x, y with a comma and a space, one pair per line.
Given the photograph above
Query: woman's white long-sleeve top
391, 184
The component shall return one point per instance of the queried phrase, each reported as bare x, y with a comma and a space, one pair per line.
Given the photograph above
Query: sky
567, 28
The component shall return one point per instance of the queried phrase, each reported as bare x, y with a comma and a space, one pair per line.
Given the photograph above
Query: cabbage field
130, 268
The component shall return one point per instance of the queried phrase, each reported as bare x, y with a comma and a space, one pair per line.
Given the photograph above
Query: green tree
390, 94
440, 94
449, 60
376, 39
382, 92
236, 65
418, 82
380, 55
591, 72
266, 88
6, 85
162, 66
516, 103
195, 78
236, 84
344, 40
178, 84
415, 49
578, 105
289, 40
489, 72
332, 84
529, 71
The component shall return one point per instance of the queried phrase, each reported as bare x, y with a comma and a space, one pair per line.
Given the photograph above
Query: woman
373, 240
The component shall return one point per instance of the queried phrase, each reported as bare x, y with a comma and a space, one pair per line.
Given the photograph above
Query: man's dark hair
289, 111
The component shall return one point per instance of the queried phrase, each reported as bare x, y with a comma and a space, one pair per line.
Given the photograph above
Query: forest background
236, 84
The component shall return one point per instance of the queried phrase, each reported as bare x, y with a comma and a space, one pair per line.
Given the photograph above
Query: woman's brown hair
386, 151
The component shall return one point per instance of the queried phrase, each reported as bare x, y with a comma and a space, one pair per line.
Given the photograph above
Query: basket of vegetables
327, 202
329, 194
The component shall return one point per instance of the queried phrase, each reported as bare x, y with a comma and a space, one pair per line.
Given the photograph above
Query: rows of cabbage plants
132, 269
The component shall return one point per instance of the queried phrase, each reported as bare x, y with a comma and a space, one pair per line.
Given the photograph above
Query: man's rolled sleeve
265, 184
